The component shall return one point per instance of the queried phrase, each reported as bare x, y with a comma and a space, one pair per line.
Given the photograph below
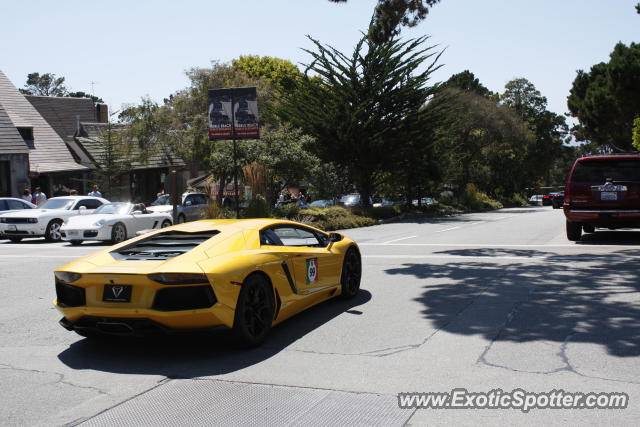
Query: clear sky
142, 47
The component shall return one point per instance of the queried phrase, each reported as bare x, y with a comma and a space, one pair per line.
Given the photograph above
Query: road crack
61, 378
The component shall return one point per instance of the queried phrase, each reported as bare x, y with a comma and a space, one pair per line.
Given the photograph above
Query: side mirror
82, 210
136, 213
187, 203
335, 237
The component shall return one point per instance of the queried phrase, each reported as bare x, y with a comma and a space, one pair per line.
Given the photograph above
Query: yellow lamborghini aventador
243, 274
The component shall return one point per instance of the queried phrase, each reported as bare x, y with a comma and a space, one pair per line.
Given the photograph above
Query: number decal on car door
312, 271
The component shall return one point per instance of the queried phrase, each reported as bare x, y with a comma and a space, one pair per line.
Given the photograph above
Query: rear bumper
123, 326
604, 217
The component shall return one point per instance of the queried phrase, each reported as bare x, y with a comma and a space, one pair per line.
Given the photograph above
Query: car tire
254, 311
574, 231
52, 233
351, 274
181, 219
15, 239
75, 242
588, 228
118, 233
165, 223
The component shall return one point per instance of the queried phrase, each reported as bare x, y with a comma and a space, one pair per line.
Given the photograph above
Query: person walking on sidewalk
96, 191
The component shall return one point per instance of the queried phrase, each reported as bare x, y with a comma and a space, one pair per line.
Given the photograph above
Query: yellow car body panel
227, 259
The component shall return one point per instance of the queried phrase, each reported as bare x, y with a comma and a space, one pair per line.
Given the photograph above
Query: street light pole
235, 154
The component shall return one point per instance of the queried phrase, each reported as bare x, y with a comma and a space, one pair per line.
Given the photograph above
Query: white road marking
397, 240
552, 258
43, 256
446, 229
501, 245
513, 258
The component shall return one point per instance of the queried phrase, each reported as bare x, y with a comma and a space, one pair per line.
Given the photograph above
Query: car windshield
114, 209
58, 204
598, 171
165, 199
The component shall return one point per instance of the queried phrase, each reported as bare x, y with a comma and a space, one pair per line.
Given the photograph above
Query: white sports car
114, 222
46, 219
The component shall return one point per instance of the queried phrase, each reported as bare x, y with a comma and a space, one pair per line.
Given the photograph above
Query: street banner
233, 112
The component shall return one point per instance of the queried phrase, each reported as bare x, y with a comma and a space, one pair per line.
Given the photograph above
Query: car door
314, 267
201, 203
189, 208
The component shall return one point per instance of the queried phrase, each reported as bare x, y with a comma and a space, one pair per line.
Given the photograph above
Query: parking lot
478, 301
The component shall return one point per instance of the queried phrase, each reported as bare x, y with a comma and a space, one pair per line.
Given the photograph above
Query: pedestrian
39, 197
61, 190
26, 195
96, 191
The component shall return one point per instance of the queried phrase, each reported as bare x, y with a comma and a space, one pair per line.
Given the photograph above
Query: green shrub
516, 200
258, 208
475, 200
287, 211
381, 212
335, 218
215, 211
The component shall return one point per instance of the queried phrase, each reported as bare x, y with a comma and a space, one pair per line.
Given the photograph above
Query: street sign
233, 113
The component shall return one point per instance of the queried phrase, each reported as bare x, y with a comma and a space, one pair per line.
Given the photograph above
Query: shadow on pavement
194, 355
586, 298
602, 237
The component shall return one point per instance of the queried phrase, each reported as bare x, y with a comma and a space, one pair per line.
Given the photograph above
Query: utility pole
235, 154
92, 83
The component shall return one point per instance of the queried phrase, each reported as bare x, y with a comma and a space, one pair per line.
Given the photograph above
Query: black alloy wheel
15, 239
181, 219
75, 242
254, 311
351, 274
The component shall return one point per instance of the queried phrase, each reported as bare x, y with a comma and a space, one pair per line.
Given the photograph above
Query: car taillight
179, 278
67, 276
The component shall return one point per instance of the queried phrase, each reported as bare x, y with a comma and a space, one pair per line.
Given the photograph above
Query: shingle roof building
49, 153
64, 113
91, 138
10, 140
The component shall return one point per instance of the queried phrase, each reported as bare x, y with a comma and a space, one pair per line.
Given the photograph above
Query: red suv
602, 191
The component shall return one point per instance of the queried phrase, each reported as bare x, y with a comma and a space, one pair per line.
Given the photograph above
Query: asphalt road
479, 301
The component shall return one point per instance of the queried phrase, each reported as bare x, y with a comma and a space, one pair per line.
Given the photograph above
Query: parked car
47, 219
381, 201
547, 200
245, 275
114, 222
424, 201
602, 192
322, 203
11, 204
352, 200
190, 208
536, 199
557, 199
